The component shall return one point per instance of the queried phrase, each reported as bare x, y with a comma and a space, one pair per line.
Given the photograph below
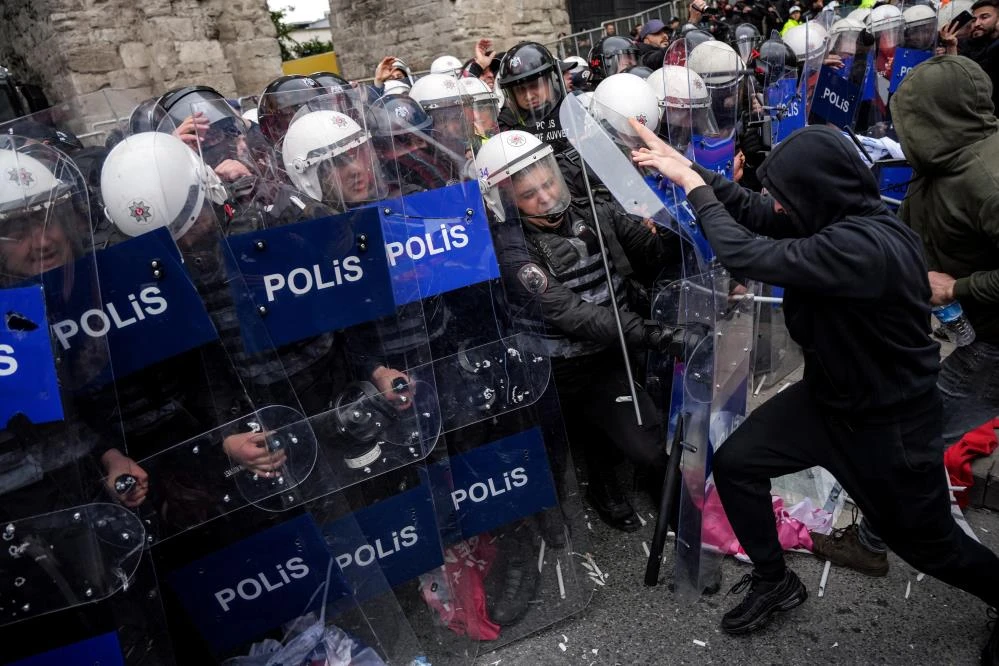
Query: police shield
887, 27
919, 38
508, 521
645, 195
72, 554
243, 436
471, 354
841, 78
711, 394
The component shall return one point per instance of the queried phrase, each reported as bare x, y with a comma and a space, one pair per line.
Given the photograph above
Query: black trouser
891, 464
588, 390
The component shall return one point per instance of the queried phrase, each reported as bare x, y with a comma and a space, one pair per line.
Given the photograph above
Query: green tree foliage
291, 49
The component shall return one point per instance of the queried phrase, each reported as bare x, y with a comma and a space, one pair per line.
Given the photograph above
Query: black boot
764, 599
606, 495
553, 527
513, 581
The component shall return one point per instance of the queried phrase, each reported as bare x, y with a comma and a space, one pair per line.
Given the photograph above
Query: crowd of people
773, 125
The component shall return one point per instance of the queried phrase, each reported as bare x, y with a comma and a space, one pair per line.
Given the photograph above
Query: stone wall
75, 47
364, 31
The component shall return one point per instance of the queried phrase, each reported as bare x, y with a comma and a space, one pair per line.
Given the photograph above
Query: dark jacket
651, 56
856, 291
943, 114
573, 294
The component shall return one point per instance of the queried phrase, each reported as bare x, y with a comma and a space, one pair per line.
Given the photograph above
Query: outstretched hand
662, 157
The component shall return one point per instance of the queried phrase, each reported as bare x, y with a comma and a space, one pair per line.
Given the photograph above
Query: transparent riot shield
73, 559
887, 27
837, 97
715, 380
644, 195
501, 491
919, 39
435, 240
782, 94
775, 354
719, 69
225, 460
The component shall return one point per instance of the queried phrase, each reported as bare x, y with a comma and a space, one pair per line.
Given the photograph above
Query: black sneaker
990, 653
763, 600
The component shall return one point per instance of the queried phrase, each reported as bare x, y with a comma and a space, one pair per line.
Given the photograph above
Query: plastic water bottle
955, 323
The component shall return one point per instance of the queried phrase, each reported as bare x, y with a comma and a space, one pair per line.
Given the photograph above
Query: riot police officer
533, 89
562, 269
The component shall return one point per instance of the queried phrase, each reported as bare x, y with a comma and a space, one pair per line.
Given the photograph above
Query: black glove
753, 147
678, 341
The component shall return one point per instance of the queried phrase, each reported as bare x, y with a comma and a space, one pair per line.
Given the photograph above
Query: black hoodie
856, 289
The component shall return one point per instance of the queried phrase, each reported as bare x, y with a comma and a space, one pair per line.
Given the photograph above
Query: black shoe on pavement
553, 527
843, 548
605, 494
615, 511
990, 653
764, 599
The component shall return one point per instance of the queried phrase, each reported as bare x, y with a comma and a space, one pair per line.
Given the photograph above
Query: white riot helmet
621, 97
859, 14
435, 91
446, 64
477, 90
514, 158
678, 87
319, 140
845, 25
28, 185
717, 63
485, 106
919, 15
920, 27
396, 87
578, 64
843, 36
885, 18
685, 104
42, 202
152, 180
808, 42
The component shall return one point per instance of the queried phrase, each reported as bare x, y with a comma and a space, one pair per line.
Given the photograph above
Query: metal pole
610, 288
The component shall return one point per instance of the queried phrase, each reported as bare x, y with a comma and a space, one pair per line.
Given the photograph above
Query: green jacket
945, 120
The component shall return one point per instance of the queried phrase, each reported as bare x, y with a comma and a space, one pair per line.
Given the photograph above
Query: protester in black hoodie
857, 301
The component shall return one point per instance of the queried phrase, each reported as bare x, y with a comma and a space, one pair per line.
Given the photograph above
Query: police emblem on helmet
515, 62
450, 85
21, 176
516, 140
642, 119
340, 121
402, 112
139, 211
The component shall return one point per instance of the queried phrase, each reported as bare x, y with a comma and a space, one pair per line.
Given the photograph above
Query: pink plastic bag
792, 532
